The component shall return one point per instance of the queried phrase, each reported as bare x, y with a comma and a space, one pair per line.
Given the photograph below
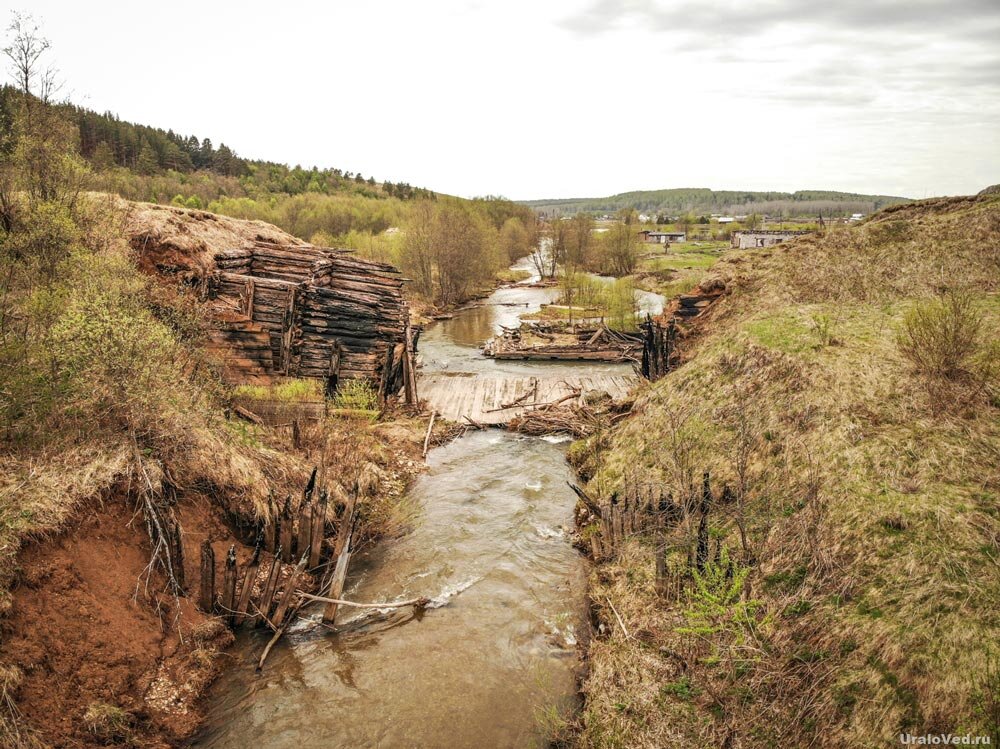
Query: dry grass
871, 505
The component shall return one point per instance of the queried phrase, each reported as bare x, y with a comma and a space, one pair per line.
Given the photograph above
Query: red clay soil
86, 629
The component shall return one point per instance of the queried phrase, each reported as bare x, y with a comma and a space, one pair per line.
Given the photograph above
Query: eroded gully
496, 655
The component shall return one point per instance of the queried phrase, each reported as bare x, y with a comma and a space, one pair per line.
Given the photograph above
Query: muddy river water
495, 655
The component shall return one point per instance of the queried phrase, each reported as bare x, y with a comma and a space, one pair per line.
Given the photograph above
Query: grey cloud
746, 18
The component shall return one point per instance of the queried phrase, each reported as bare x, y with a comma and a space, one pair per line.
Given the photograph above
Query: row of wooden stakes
650, 512
249, 597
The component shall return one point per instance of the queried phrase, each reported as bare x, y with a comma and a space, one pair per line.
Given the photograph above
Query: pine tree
103, 158
147, 163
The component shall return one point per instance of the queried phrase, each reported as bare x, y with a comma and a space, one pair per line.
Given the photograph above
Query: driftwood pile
579, 414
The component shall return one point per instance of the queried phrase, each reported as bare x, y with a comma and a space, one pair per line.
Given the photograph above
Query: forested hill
701, 200
108, 142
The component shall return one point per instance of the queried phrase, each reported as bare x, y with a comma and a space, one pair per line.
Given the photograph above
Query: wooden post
333, 375
248, 294
342, 553
607, 531
430, 428
206, 601
385, 381
288, 591
228, 602
318, 528
305, 527
287, 327
409, 375
249, 579
270, 586
177, 551
595, 545
271, 525
285, 530
618, 529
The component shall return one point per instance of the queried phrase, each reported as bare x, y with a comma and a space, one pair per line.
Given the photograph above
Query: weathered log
318, 528
270, 587
285, 530
249, 580
228, 600
342, 553
288, 591
418, 602
206, 599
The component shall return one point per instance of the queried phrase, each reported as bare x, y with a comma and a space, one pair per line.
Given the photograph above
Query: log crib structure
281, 307
311, 312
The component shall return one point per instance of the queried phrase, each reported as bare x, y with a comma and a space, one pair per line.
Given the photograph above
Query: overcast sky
544, 99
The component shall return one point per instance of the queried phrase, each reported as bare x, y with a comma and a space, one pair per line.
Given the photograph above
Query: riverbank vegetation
843, 588
108, 403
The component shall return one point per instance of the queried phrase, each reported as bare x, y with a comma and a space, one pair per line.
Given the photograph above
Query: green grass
356, 395
290, 391
512, 275
680, 261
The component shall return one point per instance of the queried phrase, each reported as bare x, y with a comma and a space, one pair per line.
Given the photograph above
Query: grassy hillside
846, 389
704, 201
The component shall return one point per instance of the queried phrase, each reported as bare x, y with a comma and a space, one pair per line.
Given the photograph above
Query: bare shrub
942, 337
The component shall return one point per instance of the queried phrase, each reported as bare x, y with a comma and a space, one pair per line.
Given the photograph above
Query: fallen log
248, 415
591, 505
288, 591
418, 602
342, 553
249, 579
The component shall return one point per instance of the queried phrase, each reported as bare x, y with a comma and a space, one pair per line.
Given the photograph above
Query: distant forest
701, 200
107, 142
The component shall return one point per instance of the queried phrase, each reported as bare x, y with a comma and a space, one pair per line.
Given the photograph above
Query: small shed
747, 240
662, 237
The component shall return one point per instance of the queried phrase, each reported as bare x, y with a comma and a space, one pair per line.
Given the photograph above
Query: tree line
674, 202
106, 142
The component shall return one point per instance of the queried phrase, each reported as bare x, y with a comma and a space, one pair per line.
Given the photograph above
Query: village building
748, 240
662, 237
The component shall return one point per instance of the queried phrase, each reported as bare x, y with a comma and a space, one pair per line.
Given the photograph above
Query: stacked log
322, 309
244, 348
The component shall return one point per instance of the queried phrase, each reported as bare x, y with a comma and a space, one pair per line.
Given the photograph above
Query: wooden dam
496, 399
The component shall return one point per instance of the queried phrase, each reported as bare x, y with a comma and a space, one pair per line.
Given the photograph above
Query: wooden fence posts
287, 534
652, 513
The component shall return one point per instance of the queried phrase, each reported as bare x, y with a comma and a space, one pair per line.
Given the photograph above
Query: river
495, 654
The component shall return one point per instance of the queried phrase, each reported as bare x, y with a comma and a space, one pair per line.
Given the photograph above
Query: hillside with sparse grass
846, 390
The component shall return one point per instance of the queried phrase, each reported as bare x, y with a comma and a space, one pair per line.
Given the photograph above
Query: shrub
942, 337
356, 394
